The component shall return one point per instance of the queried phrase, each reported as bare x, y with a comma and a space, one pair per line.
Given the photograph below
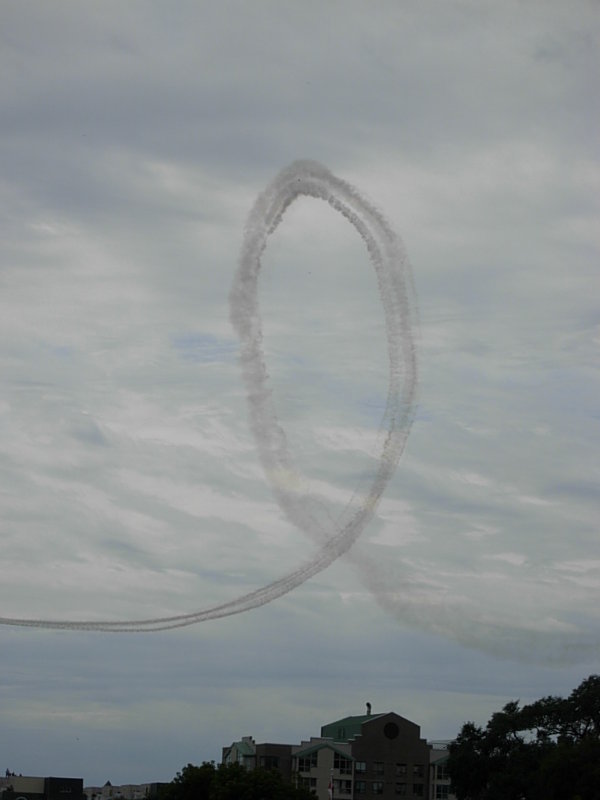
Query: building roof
342, 730
318, 746
244, 748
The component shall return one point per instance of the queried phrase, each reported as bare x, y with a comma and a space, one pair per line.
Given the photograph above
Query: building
389, 757
242, 752
439, 779
127, 791
363, 757
268, 756
324, 766
26, 787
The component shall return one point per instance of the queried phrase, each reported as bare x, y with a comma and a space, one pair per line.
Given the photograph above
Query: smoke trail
397, 594
304, 178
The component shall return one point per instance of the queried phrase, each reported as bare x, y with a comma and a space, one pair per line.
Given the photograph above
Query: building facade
324, 767
391, 759
439, 779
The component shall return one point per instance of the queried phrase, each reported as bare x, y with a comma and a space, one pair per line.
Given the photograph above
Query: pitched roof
342, 730
318, 746
243, 748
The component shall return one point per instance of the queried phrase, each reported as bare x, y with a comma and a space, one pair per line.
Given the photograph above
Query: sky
135, 140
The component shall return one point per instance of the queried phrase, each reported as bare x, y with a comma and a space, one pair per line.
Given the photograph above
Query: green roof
342, 730
243, 748
318, 746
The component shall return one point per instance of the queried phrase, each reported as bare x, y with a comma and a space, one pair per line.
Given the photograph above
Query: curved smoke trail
335, 537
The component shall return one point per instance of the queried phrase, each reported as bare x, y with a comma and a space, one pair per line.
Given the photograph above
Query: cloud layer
134, 142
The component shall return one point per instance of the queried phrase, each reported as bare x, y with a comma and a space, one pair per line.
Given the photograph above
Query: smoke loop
335, 537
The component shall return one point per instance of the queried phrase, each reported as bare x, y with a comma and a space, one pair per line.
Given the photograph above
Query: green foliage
547, 750
231, 782
192, 783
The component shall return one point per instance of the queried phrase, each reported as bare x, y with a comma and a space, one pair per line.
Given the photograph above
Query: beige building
323, 766
126, 791
439, 779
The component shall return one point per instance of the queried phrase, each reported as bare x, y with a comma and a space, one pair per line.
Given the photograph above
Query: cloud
134, 142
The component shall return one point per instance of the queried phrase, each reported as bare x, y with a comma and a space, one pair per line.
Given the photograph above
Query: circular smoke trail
335, 537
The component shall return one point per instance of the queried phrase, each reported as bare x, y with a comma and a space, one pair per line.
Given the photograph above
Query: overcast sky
135, 138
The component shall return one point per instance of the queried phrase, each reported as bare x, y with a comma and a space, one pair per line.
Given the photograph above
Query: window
391, 730
442, 772
401, 770
306, 763
341, 734
378, 767
342, 787
401, 789
418, 789
418, 771
269, 762
307, 783
360, 766
442, 792
360, 787
342, 763
377, 787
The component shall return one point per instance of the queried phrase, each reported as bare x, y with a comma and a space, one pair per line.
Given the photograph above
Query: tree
231, 782
192, 783
547, 750
467, 764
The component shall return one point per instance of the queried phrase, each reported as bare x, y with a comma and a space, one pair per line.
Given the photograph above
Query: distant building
251, 755
363, 757
242, 752
126, 791
25, 787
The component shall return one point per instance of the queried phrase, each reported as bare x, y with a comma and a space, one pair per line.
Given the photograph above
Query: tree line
231, 782
546, 750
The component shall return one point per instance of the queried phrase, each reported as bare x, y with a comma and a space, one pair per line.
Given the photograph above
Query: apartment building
363, 757
323, 766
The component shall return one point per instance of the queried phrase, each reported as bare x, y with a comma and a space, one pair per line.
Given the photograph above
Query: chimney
368, 709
